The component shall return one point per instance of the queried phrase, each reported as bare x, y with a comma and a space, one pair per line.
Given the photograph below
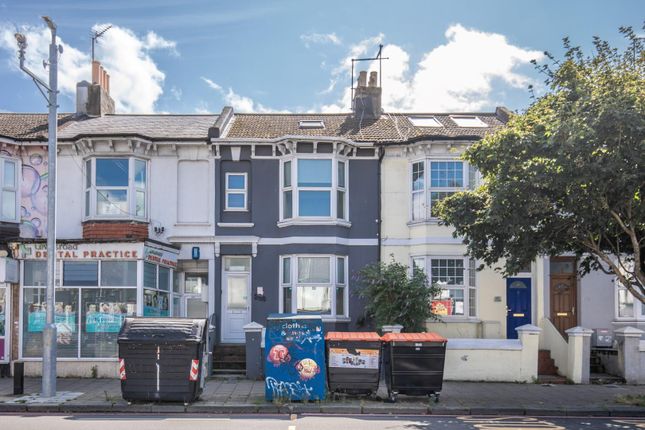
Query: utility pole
49, 333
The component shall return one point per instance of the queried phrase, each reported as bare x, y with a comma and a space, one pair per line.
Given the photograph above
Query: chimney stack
367, 97
94, 98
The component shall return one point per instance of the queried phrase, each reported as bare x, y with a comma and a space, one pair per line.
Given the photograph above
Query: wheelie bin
414, 364
163, 359
353, 362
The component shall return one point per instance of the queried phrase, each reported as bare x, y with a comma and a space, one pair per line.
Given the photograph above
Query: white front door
236, 298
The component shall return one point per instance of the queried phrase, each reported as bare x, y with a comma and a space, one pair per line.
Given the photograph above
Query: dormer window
468, 121
116, 188
311, 124
424, 121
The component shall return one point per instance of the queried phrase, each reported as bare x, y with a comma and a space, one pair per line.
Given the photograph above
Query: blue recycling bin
294, 362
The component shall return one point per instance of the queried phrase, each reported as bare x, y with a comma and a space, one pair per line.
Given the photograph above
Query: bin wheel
391, 397
434, 396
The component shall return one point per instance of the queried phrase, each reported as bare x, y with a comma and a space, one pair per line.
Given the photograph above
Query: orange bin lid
353, 336
413, 337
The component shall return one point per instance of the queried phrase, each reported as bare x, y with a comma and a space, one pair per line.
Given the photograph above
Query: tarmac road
307, 422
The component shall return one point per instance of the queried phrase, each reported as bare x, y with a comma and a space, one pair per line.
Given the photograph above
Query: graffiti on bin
284, 389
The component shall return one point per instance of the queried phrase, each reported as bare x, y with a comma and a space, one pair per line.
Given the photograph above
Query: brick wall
115, 230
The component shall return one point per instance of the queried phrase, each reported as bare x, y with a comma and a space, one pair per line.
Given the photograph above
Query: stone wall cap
252, 327
579, 331
528, 328
629, 332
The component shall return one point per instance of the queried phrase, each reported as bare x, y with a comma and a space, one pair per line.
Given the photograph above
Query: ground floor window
457, 279
314, 284
91, 304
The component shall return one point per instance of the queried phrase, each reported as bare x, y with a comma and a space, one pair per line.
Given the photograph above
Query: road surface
306, 422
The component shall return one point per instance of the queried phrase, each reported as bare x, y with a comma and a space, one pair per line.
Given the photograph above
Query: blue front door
518, 305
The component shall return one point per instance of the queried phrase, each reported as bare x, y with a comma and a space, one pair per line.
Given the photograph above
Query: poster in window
442, 307
106, 318
64, 318
354, 358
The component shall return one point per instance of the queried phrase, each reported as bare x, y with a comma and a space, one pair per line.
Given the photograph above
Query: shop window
118, 273
104, 311
81, 273
149, 275
116, 188
314, 284
35, 273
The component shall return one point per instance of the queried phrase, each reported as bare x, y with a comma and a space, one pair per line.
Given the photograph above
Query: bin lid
353, 336
153, 330
413, 337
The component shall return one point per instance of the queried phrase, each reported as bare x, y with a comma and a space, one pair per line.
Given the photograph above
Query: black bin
414, 364
353, 362
162, 359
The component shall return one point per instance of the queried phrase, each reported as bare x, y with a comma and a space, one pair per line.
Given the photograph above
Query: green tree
396, 296
568, 174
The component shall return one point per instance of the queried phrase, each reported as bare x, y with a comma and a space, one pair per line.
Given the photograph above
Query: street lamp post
49, 333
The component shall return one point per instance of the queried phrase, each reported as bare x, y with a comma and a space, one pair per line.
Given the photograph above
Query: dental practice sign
294, 362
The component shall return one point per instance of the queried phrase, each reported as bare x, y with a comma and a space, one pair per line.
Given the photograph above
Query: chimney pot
373, 79
107, 82
96, 74
362, 79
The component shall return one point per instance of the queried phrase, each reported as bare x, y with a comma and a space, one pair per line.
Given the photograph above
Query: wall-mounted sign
78, 251
195, 252
160, 256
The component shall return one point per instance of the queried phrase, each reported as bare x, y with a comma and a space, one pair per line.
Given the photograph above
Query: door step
551, 379
229, 359
605, 379
546, 365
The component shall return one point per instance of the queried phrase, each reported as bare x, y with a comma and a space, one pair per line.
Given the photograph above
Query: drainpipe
381, 154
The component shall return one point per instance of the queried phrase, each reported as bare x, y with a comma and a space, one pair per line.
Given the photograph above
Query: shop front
98, 285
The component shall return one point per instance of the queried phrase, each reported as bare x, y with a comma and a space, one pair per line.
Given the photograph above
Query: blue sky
197, 56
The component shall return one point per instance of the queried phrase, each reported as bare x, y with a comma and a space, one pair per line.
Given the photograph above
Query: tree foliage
568, 174
396, 297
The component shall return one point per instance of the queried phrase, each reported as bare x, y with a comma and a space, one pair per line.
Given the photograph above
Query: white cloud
320, 38
136, 82
176, 93
239, 102
458, 75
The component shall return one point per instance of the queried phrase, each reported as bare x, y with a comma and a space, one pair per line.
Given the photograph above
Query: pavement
241, 396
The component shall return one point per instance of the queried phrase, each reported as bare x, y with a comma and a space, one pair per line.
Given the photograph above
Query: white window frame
131, 189
480, 123
639, 308
333, 191
243, 191
470, 277
311, 124
417, 121
334, 284
427, 185
15, 189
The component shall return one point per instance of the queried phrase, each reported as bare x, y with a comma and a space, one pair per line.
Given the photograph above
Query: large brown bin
353, 362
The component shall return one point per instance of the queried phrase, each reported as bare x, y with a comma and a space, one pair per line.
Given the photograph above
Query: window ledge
429, 221
235, 224
116, 220
192, 224
301, 221
336, 319
455, 319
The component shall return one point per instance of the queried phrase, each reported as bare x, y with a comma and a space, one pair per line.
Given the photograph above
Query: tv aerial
96, 34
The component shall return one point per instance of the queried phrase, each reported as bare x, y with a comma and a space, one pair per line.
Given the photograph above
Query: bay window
457, 279
315, 284
10, 196
433, 181
313, 188
116, 188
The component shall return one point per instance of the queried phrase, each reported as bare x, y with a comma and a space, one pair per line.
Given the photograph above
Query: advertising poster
354, 359
107, 318
2, 357
65, 320
294, 363
442, 307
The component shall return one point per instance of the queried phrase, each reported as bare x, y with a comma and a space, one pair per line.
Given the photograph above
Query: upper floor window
434, 180
314, 188
10, 196
468, 121
236, 192
116, 187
